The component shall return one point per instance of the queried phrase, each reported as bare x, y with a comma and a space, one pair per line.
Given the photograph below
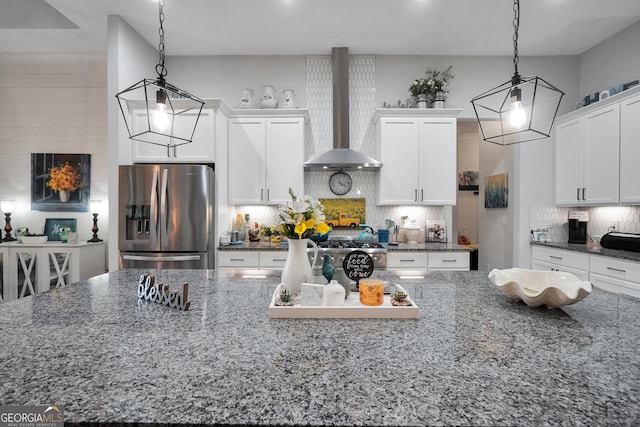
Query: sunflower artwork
60, 182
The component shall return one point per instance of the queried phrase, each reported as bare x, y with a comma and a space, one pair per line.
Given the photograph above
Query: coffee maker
578, 226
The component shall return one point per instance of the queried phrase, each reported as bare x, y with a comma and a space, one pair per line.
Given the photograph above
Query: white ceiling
284, 27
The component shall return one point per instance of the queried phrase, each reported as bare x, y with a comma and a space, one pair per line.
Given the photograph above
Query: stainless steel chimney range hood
341, 157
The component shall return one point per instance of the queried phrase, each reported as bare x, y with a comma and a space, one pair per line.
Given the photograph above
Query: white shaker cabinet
552, 259
630, 150
417, 149
211, 127
587, 149
615, 275
266, 156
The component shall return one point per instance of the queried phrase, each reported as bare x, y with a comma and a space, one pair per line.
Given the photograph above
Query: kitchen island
473, 357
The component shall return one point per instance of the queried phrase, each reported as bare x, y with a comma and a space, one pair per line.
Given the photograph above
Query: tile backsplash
601, 220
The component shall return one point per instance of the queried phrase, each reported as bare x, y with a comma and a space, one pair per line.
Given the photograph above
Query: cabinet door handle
578, 193
422, 194
619, 270
262, 194
175, 152
555, 257
268, 194
415, 195
583, 193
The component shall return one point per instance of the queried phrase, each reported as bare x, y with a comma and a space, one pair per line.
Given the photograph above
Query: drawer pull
619, 270
278, 259
407, 260
555, 257
237, 259
449, 260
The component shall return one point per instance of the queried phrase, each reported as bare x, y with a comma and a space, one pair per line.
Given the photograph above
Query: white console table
34, 268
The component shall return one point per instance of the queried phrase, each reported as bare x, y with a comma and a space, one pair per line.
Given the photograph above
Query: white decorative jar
334, 294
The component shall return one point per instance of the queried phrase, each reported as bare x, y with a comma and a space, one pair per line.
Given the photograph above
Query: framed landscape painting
60, 182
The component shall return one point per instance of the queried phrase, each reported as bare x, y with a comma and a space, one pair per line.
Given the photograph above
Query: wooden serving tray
352, 309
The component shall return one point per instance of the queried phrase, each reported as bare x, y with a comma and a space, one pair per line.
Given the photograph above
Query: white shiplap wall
52, 103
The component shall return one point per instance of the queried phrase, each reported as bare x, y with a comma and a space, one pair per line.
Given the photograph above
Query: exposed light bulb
161, 118
517, 117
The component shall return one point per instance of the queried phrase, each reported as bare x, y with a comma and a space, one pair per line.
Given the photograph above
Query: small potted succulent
400, 298
285, 298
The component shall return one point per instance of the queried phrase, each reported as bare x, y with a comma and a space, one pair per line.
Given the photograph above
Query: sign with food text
149, 290
357, 265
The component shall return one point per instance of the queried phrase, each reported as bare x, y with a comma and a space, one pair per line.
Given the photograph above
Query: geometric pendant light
150, 107
521, 109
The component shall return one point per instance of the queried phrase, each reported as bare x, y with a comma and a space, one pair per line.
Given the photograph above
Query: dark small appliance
577, 231
621, 241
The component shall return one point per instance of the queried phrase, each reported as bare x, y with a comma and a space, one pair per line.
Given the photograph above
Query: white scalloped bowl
34, 239
551, 288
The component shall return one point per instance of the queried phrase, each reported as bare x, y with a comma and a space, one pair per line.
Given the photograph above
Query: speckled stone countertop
592, 249
474, 357
401, 247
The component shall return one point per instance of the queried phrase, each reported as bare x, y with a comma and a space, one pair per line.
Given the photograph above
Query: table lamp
94, 205
7, 207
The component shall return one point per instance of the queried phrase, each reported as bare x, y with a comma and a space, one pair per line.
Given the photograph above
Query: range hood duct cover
341, 156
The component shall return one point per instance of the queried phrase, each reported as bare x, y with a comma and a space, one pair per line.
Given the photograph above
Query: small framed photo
58, 229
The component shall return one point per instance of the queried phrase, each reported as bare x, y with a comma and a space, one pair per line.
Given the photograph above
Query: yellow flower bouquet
64, 177
301, 218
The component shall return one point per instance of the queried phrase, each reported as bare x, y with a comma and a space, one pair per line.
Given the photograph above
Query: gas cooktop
348, 244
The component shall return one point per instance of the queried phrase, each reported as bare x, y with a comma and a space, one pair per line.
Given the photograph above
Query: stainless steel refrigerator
166, 216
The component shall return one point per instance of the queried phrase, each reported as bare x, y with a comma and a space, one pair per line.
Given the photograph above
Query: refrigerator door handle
163, 207
153, 202
166, 258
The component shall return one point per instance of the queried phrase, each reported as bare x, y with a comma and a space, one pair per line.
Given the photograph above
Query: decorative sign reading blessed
357, 265
158, 292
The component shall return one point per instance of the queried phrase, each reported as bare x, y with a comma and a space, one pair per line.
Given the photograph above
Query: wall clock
340, 183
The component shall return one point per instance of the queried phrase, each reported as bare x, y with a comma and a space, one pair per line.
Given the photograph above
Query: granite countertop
592, 249
474, 357
401, 247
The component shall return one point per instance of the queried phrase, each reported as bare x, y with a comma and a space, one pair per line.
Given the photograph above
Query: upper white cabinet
211, 127
266, 155
417, 148
630, 150
587, 150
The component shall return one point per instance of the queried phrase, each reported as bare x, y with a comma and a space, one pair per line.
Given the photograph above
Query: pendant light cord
160, 68
516, 27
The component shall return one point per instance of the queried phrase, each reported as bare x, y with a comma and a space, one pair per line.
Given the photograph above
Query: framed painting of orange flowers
60, 182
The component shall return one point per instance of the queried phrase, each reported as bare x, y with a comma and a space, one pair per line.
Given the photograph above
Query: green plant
436, 81
285, 295
399, 296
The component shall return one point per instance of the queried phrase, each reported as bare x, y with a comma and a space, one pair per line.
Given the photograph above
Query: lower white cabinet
408, 260
612, 274
615, 275
422, 260
272, 259
449, 260
252, 259
29, 269
551, 259
238, 259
